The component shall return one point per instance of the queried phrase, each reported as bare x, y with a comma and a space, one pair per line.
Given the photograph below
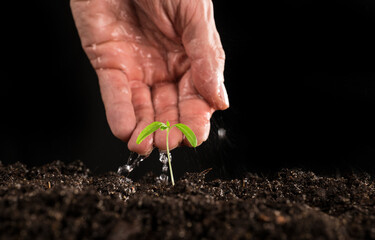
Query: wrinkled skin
156, 60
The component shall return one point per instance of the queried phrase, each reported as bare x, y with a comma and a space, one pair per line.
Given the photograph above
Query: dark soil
59, 201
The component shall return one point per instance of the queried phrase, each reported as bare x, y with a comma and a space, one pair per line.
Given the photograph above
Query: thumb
203, 46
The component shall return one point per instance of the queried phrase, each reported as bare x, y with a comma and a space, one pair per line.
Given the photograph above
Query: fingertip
223, 99
208, 79
216, 96
200, 128
121, 122
146, 146
116, 96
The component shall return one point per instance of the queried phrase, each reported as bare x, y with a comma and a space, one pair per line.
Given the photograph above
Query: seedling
189, 134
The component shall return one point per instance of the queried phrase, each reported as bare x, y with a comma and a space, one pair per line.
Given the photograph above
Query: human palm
156, 60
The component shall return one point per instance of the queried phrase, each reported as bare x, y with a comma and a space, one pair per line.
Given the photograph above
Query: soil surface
59, 201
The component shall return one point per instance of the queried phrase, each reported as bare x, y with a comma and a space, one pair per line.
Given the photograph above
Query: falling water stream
163, 158
135, 159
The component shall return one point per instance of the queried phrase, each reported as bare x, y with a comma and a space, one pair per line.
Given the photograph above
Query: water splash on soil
135, 159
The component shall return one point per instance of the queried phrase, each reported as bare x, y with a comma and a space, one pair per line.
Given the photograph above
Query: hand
156, 60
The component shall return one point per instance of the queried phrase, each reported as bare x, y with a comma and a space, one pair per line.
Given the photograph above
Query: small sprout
189, 134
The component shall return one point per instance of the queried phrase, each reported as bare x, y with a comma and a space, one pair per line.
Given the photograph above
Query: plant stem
169, 158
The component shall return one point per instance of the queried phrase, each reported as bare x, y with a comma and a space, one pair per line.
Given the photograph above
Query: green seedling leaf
164, 127
149, 130
189, 134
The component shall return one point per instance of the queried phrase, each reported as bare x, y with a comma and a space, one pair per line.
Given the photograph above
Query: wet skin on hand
156, 61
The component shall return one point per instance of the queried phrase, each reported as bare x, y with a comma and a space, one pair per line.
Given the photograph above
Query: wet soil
58, 201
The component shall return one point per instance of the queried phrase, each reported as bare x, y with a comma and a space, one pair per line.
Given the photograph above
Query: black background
300, 78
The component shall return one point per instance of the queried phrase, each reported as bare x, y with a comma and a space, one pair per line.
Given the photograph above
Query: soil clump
66, 201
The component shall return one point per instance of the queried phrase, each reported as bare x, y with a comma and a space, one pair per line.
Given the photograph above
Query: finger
100, 21
203, 46
94, 20
144, 114
116, 96
195, 112
165, 101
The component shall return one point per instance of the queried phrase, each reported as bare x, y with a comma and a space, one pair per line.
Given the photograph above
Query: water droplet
125, 180
128, 168
133, 161
163, 158
125, 169
163, 178
221, 193
119, 170
221, 132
